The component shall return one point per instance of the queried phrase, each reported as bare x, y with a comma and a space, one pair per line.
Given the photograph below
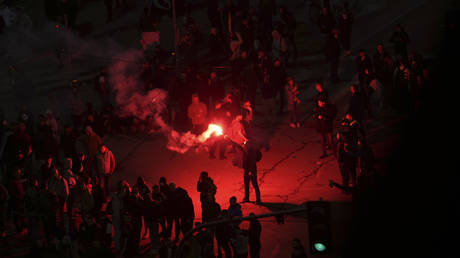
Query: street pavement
290, 172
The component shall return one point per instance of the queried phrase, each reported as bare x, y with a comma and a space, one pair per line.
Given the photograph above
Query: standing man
332, 52
105, 166
348, 139
251, 155
363, 62
400, 39
255, 229
216, 89
90, 143
325, 114
197, 113
278, 80
345, 28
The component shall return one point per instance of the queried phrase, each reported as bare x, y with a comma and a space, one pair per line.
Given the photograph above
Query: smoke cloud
133, 101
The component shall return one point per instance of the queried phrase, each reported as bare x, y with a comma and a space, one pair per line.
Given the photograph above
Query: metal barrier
220, 222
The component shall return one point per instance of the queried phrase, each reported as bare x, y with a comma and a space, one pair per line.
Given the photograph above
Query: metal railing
233, 220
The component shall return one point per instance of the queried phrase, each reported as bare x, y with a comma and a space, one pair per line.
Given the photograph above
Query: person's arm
112, 163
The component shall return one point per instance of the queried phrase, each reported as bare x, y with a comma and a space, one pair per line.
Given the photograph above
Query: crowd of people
56, 178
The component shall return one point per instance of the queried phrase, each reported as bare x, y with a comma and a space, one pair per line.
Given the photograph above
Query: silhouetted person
332, 52
255, 229
251, 155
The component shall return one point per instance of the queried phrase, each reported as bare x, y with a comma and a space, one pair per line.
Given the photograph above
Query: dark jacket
206, 188
250, 158
327, 113
356, 106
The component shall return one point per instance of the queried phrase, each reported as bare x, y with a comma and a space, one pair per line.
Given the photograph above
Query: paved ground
290, 173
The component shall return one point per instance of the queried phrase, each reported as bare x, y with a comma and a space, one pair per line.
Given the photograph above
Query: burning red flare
213, 129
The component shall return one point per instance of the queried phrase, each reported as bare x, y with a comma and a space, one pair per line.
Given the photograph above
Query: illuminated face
319, 87
380, 48
352, 89
213, 75
103, 149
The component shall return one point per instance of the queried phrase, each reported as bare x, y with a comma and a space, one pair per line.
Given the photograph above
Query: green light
320, 247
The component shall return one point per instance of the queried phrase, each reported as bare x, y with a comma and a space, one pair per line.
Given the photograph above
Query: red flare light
213, 129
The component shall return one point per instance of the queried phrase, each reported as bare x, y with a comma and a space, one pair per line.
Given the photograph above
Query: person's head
402, 64
228, 98
246, 104
232, 200
282, 9
260, 53
140, 180
218, 105
162, 181
380, 48
213, 31
68, 163
244, 54
325, 11
195, 98
345, 15
398, 27
362, 53
103, 148
335, 33
155, 189
321, 103
348, 116
319, 87
290, 81
238, 117
213, 75
172, 186
17, 173
88, 130
353, 88
204, 174
277, 63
